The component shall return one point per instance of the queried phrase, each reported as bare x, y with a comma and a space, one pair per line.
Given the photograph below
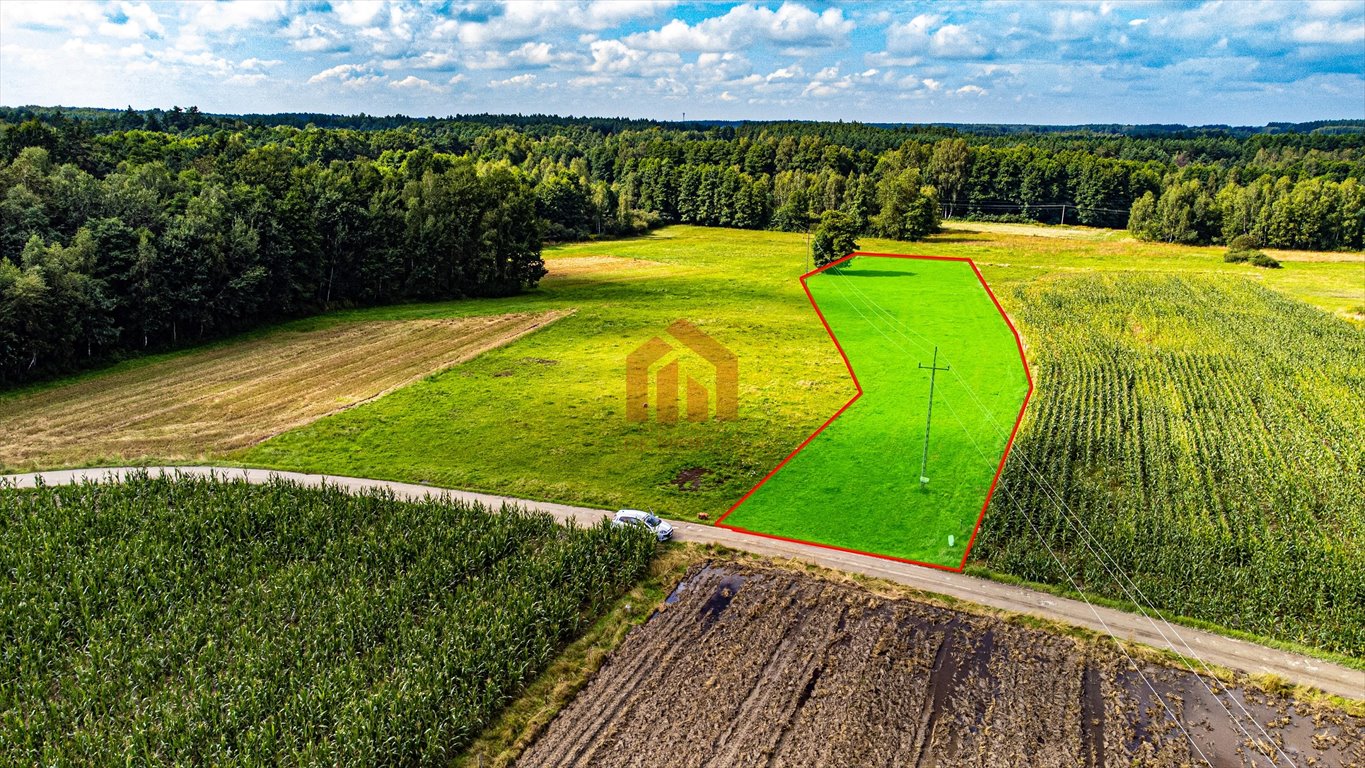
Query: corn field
1209, 435
198, 621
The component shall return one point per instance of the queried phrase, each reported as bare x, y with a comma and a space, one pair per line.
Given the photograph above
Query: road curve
1212, 648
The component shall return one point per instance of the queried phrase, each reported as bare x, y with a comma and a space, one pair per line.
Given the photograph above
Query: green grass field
856, 484
545, 417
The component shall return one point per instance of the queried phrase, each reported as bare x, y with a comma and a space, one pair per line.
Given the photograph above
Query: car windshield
651, 520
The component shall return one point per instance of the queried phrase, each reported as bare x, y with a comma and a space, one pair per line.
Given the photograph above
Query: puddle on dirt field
941, 683
723, 594
673, 597
1149, 713
1092, 716
1227, 727
677, 593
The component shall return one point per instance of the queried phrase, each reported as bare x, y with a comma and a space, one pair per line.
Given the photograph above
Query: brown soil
749, 666
690, 479
235, 395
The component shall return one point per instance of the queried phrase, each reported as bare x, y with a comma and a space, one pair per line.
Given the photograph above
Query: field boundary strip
1009, 444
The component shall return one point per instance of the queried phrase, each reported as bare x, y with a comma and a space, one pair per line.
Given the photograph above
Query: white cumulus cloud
615, 57
349, 75
413, 81
790, 24
131, 22
517, 81
927, 34
357, 13
1324, 32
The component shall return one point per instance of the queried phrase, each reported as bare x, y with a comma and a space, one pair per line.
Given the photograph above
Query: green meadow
545, 417
857, 485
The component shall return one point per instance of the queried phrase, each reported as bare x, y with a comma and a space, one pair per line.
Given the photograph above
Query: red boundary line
1019, 342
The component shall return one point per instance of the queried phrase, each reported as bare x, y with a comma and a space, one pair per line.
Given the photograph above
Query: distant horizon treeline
103, 118
124, 231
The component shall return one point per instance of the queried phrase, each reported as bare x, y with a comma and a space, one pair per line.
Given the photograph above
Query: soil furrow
787, 669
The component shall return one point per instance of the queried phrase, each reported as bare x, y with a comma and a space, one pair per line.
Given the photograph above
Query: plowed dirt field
758, 666
235, 395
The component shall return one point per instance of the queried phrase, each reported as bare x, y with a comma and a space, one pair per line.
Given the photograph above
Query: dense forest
126, 231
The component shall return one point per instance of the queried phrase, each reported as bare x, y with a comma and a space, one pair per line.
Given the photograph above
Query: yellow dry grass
581, 266
1027, 230
1346, 257
236, 395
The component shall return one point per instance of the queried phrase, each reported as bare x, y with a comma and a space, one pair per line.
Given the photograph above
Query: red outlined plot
859, 393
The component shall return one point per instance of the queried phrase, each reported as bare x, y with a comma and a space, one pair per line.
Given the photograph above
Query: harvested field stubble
236, 395
585, 266
765, 667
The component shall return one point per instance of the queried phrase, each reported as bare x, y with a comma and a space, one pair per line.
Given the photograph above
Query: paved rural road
1211, 648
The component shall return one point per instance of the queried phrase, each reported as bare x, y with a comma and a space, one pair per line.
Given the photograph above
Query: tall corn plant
208, 621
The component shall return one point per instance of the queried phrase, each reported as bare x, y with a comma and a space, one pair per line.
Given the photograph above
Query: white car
660, 528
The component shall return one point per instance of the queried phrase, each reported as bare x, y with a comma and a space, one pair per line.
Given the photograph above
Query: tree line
124, 231
152, 257
1314, 213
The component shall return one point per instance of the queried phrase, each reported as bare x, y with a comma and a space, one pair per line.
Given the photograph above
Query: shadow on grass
870, 272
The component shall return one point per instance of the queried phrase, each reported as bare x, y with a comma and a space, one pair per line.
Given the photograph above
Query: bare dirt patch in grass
236, 395
690, 479
580, 266
1028, 230
762, 666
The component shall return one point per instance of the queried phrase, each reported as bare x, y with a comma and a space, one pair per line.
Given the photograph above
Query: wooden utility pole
929, 419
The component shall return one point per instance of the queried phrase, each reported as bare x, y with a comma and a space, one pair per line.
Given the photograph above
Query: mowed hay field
235, 395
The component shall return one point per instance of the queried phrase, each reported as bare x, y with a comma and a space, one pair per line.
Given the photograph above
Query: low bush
1246, 249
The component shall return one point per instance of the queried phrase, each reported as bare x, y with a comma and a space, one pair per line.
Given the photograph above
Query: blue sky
1053, 62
